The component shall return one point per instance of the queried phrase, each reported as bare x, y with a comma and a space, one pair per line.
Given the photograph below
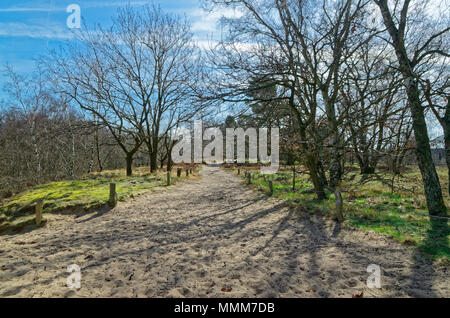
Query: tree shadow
281, 226
291, 244
423, 273
100, 212
337, 229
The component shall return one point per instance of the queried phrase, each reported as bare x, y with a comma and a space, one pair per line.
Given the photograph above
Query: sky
29, 28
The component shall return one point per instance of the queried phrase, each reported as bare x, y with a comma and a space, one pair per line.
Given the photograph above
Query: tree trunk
396, 166
169, 161
290, 159
97, 146
91, 160
366, 168
321, 173
336, 168
447, 152
153, 161
153, 150
335, 171
363, 154
339, 205
72, 162
432, 187
446, 126
313, 166
129, 159
445, 122
36, 150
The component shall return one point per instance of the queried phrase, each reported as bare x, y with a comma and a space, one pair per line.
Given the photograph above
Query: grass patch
400, 214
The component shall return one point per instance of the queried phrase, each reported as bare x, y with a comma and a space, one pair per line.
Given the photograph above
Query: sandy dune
194, 239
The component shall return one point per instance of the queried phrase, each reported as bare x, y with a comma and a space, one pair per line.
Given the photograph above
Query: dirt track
194, 239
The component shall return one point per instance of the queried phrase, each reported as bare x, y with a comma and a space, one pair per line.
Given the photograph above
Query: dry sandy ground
195, 238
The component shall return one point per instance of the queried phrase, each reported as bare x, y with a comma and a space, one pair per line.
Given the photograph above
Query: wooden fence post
112, 195
293, 179
270, 187
168, 178
239, 171
249, 178
339, 205
39, 208
179, 172
187, 172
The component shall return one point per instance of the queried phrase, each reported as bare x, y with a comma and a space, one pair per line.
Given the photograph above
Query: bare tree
176, 67
135, 77
301, 46
42, 137
412, 51
437, 96
31, 98
374, 94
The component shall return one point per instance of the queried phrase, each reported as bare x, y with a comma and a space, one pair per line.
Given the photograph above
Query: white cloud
204, 21
34, 31
100, 4
90, 4
14, 9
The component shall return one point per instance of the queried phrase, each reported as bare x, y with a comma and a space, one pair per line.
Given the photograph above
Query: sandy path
198, 237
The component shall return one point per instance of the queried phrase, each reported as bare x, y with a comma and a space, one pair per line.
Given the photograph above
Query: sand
198, 237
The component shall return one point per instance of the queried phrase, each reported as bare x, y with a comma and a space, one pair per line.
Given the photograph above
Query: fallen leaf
226, 289
311, 291
358, 295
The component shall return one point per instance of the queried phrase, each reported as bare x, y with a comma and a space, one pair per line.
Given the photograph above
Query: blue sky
28, 28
